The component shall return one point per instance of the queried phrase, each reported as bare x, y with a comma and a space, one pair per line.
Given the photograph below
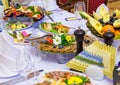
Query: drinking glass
79, 6
35, 58
23, 64
28, 61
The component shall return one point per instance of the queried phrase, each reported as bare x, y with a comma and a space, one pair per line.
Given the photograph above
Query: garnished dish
63, 43
54, 27
34, 12
101, 22
17, 25
20, 37
64, 78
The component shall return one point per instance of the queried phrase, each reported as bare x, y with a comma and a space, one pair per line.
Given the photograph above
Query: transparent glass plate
24, 20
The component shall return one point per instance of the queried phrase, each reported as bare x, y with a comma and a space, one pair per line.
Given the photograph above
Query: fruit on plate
101, 22
96, 16
116, 13
104, 13
93, 22
116, 23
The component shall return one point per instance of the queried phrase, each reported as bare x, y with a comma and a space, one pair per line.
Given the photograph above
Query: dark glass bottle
79, 35
116, 75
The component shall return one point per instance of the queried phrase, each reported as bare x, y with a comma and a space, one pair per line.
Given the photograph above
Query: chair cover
93, 4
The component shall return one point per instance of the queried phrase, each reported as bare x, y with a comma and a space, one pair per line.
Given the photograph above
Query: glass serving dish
63, 53
18, 23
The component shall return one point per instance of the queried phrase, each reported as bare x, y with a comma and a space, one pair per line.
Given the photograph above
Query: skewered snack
34, 12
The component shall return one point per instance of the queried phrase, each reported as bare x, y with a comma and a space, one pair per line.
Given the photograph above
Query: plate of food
33, 12
60, 45
64, 43
63, 77
18, 23
20, 37
54, 27
102, 21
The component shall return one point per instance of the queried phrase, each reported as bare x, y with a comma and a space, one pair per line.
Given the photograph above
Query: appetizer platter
102, 21
64, 78
64, 43
18, 23
20, 37
54, 27
33, 12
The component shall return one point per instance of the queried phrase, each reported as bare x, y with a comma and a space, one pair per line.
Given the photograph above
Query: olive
14, 32
104, 24
114, 14
111, 18
101, 20
109, 22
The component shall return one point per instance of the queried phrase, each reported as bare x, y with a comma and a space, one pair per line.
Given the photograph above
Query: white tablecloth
49, 62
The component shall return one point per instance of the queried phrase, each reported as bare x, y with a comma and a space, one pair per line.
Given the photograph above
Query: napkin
8, 53
98, 54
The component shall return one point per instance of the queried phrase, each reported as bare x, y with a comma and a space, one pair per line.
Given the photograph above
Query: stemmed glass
23, 64
79, 6
35, 58
28, 62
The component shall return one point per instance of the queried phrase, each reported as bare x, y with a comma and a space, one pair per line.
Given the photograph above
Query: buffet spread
58, 39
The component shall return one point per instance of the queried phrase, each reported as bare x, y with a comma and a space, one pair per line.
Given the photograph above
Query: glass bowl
18, 23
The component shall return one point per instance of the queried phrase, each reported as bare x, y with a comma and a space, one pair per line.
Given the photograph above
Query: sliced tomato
14, 11
39, 16
50, 41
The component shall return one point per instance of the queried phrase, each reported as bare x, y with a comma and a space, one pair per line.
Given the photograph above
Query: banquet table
49, 62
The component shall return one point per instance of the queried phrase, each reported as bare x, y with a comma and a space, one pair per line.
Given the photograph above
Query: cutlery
44, 10
21, 78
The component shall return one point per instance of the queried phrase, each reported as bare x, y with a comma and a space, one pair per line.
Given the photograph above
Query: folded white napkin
8, 53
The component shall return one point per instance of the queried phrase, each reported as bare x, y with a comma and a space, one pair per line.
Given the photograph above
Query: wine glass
79, 6
23, 64
35, 58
